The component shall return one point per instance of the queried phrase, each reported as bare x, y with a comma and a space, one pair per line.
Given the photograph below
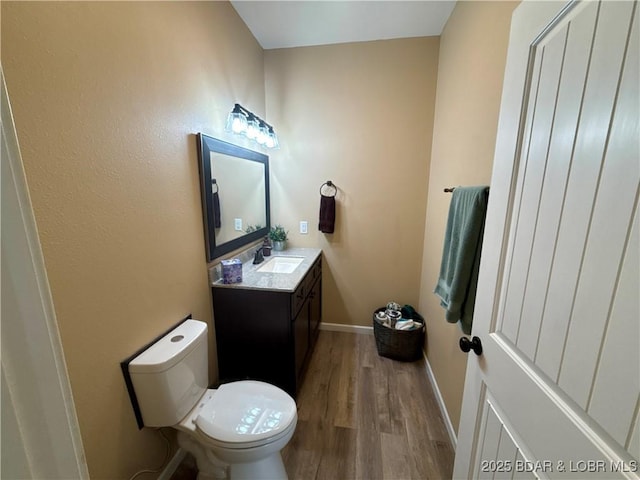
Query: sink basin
280, 265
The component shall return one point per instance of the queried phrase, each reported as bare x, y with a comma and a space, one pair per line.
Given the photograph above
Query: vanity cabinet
268, 335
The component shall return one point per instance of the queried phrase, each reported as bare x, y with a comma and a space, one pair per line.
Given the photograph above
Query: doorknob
474, 344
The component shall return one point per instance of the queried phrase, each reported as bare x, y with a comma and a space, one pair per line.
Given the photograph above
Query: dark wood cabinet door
315, 312
301, 337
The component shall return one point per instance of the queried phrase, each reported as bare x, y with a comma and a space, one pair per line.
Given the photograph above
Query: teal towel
458, 278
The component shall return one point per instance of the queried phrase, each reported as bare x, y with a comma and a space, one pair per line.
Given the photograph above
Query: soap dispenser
266, 247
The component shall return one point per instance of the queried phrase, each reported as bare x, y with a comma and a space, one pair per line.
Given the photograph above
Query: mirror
234, 183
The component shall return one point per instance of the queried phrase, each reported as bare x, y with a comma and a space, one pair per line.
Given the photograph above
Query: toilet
236, 431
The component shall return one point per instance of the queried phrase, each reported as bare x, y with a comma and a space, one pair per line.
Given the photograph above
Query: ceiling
286, 24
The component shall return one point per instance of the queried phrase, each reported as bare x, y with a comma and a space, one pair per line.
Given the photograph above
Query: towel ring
214, 184
329, 184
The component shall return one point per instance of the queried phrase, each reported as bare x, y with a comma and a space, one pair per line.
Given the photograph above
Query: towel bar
449, 189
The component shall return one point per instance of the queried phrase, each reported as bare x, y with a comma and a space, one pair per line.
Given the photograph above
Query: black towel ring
214, 183
329, 184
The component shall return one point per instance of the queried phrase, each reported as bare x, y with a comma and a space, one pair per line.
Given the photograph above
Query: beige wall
361, 115
107, 98
472, 58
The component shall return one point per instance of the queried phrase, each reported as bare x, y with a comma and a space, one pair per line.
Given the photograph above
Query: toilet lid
246, 412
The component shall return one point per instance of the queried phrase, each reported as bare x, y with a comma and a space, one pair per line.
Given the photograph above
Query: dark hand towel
461, 254
216, 210
327, 214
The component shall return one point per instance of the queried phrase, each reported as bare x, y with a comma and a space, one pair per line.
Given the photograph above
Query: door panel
567, 103
557, 306
543, 96
634, 444
613, 202
612, 407
500, 455
553, 328
599, 96
490, 442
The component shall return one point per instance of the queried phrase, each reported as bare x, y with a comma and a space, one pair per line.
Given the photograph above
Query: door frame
43, 432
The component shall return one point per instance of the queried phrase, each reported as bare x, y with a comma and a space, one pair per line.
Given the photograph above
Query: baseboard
173, 464
340, 327
443, 409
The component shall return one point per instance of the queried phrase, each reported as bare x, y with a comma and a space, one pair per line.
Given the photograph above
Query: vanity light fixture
243, 122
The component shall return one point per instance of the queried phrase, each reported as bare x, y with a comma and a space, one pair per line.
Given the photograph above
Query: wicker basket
404, 345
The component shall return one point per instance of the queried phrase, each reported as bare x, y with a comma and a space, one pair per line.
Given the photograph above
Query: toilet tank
170, 376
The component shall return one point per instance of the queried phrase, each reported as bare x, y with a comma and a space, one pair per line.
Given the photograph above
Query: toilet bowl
236, 431
244, 425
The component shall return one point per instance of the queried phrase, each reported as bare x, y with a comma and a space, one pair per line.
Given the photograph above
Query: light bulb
253, 128
236, 121
239, 124
263, 134
272, 140
270, 143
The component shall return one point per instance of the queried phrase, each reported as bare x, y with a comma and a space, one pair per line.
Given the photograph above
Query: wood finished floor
362, 416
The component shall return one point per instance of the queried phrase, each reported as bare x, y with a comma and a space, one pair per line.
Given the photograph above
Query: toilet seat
246, 414
246, 445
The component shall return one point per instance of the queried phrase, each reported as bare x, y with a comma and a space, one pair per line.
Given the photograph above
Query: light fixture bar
244, 122
239, 107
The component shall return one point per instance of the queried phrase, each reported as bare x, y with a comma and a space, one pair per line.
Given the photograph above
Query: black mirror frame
206, 145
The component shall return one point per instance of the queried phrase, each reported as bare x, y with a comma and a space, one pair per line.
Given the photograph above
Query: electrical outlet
238, 224
304, 227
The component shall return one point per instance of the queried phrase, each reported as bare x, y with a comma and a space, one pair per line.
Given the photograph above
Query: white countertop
280, 282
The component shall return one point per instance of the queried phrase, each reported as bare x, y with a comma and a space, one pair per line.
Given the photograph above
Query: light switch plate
304, 227
238, 224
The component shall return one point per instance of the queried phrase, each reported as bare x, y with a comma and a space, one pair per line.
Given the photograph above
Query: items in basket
399, 318
407, 325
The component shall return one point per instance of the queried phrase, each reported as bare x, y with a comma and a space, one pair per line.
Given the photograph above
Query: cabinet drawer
302, 292
297, 297
314, 273
316, 270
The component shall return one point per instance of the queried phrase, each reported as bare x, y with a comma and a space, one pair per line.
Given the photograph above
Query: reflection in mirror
240, 184
234, 183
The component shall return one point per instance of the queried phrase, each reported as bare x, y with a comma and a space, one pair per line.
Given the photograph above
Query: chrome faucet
258, 257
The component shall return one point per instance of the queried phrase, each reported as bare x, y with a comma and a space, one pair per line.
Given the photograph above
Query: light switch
304, 227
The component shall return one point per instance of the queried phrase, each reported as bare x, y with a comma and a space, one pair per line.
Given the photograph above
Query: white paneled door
556, 391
